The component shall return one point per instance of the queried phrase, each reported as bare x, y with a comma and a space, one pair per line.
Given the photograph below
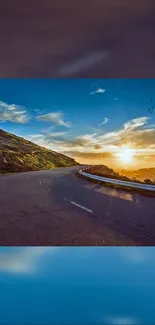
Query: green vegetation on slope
18, 154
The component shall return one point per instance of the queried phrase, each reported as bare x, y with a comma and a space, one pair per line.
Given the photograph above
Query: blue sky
77, 116
74, 285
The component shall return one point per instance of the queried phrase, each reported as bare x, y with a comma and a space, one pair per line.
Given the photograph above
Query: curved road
54, 207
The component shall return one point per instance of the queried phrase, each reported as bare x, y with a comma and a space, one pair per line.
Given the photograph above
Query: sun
126, 155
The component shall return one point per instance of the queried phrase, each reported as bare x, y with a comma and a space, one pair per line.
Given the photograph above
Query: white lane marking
82, 63
79, 206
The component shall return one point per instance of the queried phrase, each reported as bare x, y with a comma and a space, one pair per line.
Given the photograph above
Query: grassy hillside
18, 154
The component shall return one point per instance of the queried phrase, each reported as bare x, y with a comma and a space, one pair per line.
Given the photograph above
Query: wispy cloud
56, 118
62, 143
36, 110
22, 260
119, 320
135, 254
132, 132
58, 134
103, 145
135, 123
115, 98
13, 113
98, 91
105, 121
49, 131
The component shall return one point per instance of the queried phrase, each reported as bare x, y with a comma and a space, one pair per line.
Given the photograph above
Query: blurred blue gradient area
77, 285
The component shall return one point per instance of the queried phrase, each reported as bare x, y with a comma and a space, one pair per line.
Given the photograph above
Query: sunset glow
126, 155
109, 121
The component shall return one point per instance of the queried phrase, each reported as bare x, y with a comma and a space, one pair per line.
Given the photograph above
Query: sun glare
126, 155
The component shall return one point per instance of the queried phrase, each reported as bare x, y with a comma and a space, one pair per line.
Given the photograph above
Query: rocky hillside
18, 154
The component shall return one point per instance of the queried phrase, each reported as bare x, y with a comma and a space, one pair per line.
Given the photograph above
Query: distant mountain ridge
18, 154
140, 174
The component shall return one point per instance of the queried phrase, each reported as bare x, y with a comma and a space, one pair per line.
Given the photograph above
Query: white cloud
60, 143
53, 134
56, 118
134, 132
135, 123
13, 113
119, 320
130, 130
115, 98
135, 254
87, 137
22, 260
57, 134
36, 110
98, 91
105, 121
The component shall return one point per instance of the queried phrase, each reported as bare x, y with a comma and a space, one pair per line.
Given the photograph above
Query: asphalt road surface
77, 38
55, 207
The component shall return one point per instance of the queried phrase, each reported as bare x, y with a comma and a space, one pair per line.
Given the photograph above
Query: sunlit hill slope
18, 154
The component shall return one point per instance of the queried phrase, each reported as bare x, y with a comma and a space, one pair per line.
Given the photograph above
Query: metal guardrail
146, 187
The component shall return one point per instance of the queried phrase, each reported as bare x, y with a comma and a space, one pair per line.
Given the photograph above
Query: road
102, 38
55, 207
